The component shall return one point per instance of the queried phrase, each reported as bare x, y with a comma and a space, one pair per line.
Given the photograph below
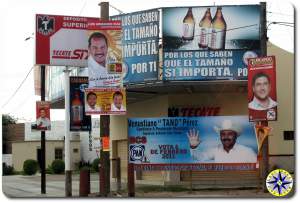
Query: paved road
29, 186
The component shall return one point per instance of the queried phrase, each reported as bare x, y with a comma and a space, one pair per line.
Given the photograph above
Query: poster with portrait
209, 42
78, 120
262, 99
105, 53
43, 121
105, 101
192, 143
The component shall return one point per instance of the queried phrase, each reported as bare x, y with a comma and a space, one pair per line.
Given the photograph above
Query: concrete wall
28, 150
286, 97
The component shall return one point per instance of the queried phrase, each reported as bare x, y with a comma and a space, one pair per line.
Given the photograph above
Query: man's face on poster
261, 88
92, 100
228, 138
98, 50
42, 113
118, 100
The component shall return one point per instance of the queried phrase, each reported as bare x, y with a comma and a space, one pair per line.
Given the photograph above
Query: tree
7, 119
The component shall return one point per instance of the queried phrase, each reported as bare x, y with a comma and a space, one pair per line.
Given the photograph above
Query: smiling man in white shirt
227, 152
261, 87
98, 74
117, 104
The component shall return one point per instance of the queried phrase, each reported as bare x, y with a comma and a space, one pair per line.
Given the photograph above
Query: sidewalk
29, 186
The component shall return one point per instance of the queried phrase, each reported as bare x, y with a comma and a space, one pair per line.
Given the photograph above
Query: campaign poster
78, 120
105, 53
192, 143
61, 40
262, 99
140, 45
43, 121
209, 43
105, 101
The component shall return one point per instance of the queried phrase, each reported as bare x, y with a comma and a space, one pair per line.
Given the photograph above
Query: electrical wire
121, 12
19, 87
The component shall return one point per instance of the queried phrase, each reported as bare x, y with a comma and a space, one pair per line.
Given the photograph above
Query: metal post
43, 137
68, 172
118, 173
130, 180
263, 46
104, 123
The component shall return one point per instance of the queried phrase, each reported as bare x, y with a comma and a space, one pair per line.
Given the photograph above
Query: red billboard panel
262, 99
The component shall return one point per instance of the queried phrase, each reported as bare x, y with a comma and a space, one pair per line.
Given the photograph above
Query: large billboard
192, 143
78, 120
61, 40
210, 43
262, 97
140, 45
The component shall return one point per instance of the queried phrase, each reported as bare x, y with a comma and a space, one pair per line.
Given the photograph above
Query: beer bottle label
188, 30
204, 36
217, 39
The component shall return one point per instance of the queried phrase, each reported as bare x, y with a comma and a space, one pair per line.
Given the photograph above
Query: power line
121, 12
83, 6
277, 13
19, 87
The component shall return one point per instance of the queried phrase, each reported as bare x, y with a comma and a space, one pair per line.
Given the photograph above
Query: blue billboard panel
140, 45
192, 143
209, 43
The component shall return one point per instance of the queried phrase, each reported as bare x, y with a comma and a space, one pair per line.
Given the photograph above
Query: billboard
105, 101
61, 40
210, 43
43, 121
262, 97
105, 53
140, 45
78, 120
192, 143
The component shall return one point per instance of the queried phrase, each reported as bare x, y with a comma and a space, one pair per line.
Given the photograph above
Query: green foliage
49, 170
7, 170
58, 166
95, 164
7, 119
30, 167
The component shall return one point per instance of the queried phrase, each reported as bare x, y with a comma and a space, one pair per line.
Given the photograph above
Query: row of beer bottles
212, 32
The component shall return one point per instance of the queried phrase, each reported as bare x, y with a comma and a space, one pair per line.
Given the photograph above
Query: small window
75, 150
288, 135
58, 153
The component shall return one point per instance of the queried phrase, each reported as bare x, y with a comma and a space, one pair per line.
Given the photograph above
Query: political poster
262, 97
105, 53
105, 101
61, 40
209, 43
192, 143
78, 120
262, 133
43, 121
140, 45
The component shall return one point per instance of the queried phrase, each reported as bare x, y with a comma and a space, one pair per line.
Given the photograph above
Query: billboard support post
130, 181
68, 172
104, 124
265, 146
43, 139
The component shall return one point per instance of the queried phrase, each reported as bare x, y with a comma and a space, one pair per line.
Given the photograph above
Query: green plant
58, 166
49, 170
30, 167
95, 164
7, 170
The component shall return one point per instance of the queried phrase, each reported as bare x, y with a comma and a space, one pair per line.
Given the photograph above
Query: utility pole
265, 145
104, 169
68, 172
43, 137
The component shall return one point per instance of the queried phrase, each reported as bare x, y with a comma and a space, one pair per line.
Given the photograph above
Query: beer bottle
188, 26
205, 29
77, 110
218, 33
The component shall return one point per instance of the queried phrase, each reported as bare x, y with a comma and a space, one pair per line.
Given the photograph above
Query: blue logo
137, 152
